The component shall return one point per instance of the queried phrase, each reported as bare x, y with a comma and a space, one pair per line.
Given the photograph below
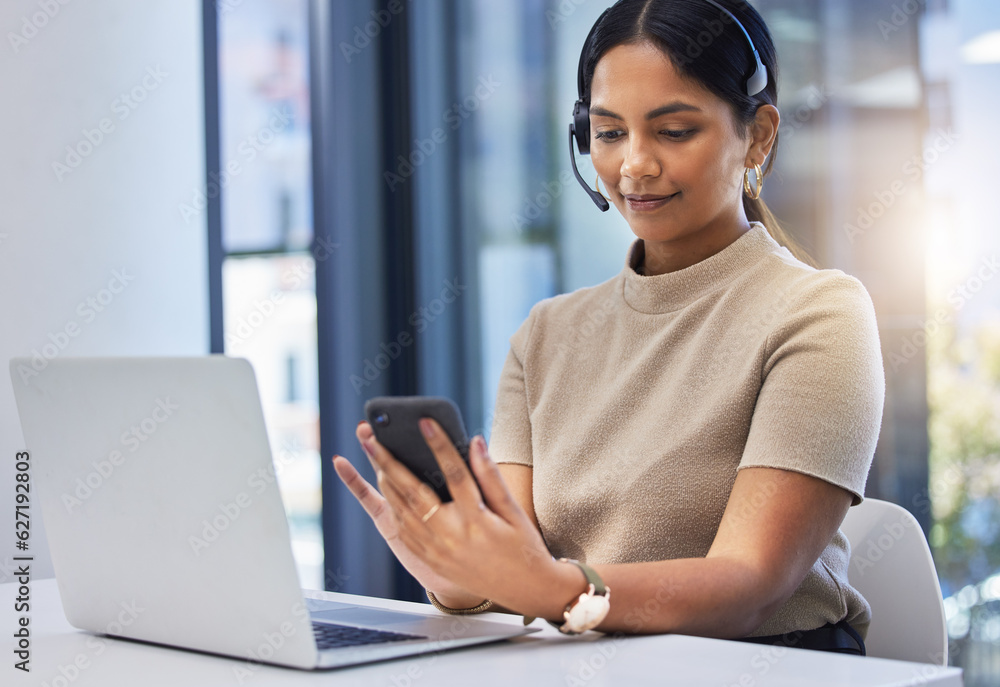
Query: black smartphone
395, 422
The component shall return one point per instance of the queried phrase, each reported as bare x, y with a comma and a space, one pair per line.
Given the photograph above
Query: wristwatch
589, 609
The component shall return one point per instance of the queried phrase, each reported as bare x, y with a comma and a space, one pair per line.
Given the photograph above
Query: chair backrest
891, 566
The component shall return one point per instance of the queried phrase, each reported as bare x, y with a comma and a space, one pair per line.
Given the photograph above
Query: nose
640, 161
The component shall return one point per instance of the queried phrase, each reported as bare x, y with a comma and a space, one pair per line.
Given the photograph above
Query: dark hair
706, 46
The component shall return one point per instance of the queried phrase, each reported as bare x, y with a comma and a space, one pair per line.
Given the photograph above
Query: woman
699, 449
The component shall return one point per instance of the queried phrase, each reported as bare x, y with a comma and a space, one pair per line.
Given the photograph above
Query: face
667, 152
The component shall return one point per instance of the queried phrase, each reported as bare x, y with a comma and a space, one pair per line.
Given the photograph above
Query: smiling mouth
648, 203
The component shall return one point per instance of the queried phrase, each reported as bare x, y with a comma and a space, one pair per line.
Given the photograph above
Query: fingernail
483, 450
360, 423
427, 427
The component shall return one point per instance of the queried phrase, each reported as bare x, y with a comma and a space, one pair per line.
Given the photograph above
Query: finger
494, 489
373, 502
409, 520
456, 473
364, 432
408, 513
416, 495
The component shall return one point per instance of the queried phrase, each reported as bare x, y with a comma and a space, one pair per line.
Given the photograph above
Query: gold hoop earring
752, 193
597, 185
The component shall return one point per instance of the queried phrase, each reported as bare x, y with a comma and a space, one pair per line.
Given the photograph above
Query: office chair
891, 566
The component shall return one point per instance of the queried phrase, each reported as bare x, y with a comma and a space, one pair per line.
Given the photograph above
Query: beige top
637, 401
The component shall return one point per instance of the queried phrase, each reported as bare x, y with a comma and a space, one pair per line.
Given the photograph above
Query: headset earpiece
757, 82
581, 126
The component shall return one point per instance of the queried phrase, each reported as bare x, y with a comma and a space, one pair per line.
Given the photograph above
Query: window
268, 286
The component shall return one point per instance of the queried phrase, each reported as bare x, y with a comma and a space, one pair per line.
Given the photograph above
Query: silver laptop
161, 530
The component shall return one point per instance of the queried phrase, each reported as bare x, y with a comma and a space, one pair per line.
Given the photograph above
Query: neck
672, 255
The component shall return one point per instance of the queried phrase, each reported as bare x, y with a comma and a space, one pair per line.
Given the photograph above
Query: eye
678, 135
609, 136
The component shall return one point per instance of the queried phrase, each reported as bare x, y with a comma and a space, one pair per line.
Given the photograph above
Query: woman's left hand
482, 540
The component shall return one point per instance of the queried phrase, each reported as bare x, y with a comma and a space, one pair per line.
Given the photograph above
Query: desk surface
62, 656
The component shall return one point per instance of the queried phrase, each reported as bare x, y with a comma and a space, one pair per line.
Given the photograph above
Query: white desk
544, 658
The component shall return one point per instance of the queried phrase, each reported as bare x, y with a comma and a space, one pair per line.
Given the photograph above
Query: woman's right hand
385, 521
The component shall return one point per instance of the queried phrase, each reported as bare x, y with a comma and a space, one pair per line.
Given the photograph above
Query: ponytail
757, 211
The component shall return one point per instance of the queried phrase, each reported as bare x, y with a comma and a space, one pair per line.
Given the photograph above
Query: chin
652, 228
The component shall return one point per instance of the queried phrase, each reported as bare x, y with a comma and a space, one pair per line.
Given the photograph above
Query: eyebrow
672, 108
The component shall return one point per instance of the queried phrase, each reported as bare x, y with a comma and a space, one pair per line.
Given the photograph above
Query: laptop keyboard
334, 636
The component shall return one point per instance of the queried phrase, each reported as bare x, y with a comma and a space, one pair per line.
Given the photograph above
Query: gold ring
430, 513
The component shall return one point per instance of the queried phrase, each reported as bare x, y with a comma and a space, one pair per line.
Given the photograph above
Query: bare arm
775, 527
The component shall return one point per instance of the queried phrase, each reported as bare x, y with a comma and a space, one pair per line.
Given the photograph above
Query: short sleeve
510, 437
819, 409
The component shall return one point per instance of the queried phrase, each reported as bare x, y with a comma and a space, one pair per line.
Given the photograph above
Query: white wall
64, 235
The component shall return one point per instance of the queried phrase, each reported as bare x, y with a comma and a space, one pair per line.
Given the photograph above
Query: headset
579, 129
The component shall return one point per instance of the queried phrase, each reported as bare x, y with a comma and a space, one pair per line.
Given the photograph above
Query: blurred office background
367, 197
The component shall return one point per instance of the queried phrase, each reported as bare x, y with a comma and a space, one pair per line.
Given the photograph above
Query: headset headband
754, 85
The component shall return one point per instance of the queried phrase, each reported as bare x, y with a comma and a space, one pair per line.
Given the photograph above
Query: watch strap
592, 579
591, 574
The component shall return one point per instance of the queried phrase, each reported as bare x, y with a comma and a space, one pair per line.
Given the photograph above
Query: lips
648, 202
